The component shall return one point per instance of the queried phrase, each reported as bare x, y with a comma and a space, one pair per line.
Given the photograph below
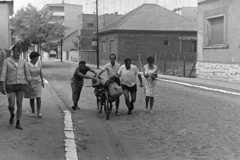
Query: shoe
117, 114
146, 109
151, 112
40, 115
11, 120
77, 107
32, 115
18, 126
129, 112
74, 108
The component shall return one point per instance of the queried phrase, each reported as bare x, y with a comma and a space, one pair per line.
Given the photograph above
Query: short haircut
34, 54
126, 60
82, 62
112, 54
150, 59
17, 45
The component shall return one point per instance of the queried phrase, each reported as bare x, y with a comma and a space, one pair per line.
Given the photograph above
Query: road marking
202, 87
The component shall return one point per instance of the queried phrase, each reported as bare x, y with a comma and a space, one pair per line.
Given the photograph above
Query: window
215, 31
165, 42
104, 46
112, 46
188, 46
90, 26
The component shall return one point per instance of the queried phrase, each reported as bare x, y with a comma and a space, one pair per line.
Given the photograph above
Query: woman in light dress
34, 91
150, 74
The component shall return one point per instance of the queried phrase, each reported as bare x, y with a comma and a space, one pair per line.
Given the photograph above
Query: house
87, 33
218, 40
147, 30
68, 14
188, 12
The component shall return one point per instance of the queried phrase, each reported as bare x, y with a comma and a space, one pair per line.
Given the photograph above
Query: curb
69, 142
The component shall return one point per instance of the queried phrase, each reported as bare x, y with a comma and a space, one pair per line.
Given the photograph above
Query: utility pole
61, 48
97, 49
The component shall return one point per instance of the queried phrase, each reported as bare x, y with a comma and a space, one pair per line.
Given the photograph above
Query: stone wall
218, 71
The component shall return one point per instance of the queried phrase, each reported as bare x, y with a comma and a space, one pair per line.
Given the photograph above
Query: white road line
202, 87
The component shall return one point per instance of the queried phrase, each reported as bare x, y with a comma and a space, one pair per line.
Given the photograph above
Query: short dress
36, 83
150, 84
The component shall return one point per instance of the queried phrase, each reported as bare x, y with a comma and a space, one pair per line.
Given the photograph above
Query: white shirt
128, 77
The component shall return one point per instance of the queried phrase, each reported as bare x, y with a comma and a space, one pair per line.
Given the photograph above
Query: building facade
148, 30
218, 40
68, 15
6, 9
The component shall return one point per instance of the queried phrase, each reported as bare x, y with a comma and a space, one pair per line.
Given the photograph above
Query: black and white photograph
119, 80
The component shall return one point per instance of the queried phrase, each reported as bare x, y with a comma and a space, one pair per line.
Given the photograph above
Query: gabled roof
151, 17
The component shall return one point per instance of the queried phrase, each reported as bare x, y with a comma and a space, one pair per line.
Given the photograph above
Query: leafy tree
33, 26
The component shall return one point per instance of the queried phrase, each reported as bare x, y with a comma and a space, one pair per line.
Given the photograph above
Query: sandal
40, 115
18, 126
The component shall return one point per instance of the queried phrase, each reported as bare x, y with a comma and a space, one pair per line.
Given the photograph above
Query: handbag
114, 90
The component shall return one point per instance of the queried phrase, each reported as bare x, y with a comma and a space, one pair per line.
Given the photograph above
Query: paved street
188, 123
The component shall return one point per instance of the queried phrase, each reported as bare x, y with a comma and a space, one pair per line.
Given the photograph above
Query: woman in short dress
150, 74
34, 92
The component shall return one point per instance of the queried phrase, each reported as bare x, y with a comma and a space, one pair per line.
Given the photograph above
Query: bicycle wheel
99, 104
106, 105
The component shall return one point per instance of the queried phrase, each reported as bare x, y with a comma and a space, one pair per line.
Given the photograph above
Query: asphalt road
188, 123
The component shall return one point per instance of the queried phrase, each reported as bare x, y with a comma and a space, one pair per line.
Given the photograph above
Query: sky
108, 6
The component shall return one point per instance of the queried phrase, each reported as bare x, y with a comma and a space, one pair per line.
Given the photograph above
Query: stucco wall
228, 54
4, 29
219, 63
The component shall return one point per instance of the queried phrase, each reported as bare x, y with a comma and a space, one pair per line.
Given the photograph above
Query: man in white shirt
128, 74
112, 68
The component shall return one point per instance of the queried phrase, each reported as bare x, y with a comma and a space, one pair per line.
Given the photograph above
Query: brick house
218, 40
147, 30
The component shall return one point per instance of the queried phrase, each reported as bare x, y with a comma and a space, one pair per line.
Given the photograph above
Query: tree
32, 26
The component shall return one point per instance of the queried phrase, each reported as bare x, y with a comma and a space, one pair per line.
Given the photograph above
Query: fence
182, 65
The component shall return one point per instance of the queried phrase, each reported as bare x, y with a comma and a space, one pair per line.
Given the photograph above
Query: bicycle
103, 99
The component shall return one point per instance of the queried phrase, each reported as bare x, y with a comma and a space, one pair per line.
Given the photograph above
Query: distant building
188, 12
68, 14
87, 33
147, 30
218, 40
6, 10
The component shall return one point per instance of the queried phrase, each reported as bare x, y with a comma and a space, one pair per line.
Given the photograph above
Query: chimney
116, 13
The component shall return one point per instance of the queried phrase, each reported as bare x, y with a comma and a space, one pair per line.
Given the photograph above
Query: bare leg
146, 101
39, 102
32, 104
117, 105
126, 95
11, 102
19, 96
133, 99
151, 104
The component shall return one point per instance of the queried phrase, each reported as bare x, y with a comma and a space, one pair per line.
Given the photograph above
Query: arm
94, 72
41, 78
3, 76
27, 72
100, 73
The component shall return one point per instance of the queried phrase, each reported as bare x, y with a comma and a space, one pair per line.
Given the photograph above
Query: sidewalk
40, 139
197, 82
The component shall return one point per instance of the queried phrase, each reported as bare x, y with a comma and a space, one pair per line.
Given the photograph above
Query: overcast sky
108, 6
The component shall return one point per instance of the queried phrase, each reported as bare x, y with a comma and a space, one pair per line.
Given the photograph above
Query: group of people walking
21, 79
125, 76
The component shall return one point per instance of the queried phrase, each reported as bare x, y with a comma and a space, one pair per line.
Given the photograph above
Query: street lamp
97, 49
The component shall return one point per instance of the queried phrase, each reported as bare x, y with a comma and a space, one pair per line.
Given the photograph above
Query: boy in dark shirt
77, 82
